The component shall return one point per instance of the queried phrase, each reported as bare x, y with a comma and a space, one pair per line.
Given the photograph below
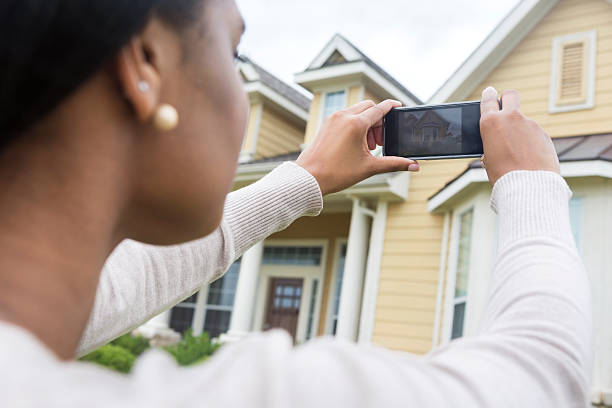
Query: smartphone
433, 132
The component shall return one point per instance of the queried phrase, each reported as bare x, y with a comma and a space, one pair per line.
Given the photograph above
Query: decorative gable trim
336, 45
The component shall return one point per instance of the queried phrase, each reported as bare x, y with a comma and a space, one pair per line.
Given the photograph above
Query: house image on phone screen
431, 131
404, 260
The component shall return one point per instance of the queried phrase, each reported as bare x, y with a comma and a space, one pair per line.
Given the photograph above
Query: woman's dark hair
48, 48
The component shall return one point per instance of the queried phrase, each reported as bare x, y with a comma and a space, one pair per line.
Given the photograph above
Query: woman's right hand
340, 154
511, 140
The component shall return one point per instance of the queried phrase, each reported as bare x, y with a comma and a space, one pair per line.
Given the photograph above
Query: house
403, 260
558, 54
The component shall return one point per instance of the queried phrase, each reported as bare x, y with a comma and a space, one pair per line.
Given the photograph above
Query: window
461, 280
576, 216
572, 85
288, 255
220, 302
181, 317
334, 101
216, 308
338, 288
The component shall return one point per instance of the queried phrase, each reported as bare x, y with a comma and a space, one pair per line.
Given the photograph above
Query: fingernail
413, 167
490, 90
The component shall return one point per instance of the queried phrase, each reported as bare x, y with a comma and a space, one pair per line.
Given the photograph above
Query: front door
283, 305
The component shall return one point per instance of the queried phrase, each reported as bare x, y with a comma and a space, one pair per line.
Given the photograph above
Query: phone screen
430, 132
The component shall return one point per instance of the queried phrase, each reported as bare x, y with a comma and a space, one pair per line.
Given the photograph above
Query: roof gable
491, 52
340, 52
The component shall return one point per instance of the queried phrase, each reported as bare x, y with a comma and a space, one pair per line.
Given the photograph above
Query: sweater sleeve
534, 349
139, 281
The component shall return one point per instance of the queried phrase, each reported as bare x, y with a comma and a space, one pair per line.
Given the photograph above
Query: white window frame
590, 38
482, 259
307, 273
329, 313
453, 275
324, 97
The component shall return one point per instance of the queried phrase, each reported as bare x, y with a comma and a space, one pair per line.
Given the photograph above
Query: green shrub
111, 356
192, 350
134, 344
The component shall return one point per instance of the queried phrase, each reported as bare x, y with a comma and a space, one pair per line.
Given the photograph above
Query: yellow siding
528, 68
405, 310
277, 135
249, 139
354, 95
313, 118
368, 94
329, 227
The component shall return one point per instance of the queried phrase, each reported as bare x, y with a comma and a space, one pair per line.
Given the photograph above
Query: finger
511, 100
489, 103
378, 134
376, 113
360, 107
371, 140
391, 163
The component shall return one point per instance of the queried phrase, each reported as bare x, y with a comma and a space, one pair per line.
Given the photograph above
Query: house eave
260, 89
310, 79
443, 200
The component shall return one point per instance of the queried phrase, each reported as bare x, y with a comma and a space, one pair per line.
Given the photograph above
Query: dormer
342, 75
277, 117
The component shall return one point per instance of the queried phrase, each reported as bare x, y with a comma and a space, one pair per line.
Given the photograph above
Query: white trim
337, 43
248, 71
449, 301
457, 186
504, 38
586, 168
357, 68
278, 99
199, 315
441, 273
590, 37
307, 273
372, 274
329, 313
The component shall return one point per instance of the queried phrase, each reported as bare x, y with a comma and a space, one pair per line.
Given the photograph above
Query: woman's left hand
340, 157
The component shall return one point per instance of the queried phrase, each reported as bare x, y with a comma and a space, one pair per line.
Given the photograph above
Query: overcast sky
419, 42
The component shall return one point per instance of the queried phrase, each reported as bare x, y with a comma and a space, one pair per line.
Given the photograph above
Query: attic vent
573, 72
335, 59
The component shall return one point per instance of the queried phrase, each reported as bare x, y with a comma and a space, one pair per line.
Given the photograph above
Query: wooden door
283, 305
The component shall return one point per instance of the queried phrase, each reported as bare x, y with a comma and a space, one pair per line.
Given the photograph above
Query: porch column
161, 321
370, 290
246, 291
352, 279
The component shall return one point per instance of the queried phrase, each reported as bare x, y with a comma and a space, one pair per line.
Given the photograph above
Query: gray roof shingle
279, 86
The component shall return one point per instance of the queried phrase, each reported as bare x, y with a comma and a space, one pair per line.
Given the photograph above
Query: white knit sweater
534, 348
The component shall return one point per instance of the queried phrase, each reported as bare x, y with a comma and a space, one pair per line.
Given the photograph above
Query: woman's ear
139, 78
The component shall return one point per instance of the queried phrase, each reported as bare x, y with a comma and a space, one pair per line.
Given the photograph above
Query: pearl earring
166, 117
143, 86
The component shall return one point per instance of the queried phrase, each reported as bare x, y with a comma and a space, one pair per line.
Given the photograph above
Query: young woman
123, 121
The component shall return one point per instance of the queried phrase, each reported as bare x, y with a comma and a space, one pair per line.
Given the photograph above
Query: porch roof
391, 187
580, 156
